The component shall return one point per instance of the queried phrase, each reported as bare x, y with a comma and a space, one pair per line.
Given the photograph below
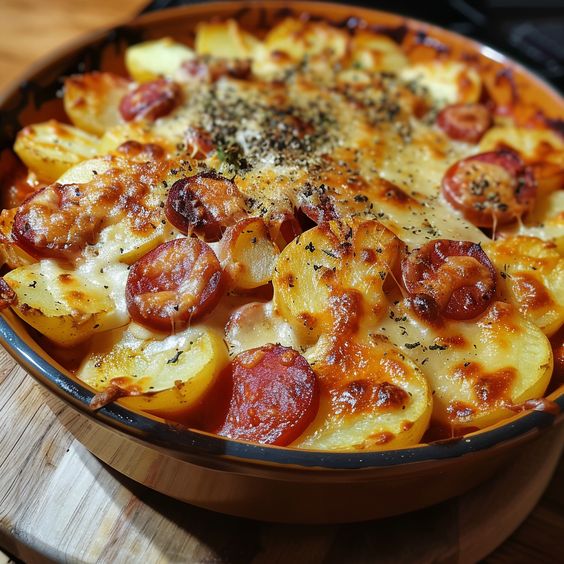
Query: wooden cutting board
31, 28
57, 501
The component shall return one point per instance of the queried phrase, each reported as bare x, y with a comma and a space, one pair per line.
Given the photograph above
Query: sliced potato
65, 306
225, 39
85, 171
541, 148
533, 144
448, 82
151, 59
372, 398
546, 221
376, 52
532, 278
304, 278
92, 100
172, 372
120, 242
549, 177
50, 148
138, 131
375, 251
330, 259
477, 369
248, 254
298, 38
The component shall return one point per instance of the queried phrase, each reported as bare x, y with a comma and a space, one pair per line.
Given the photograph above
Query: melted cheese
449, 82
532, 278
372, 398
152, 362
256, 324
546, 221
477, 369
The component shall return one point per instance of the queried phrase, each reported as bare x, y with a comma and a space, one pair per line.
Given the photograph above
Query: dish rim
176, 438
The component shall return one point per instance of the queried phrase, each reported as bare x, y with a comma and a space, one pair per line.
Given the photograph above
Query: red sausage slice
205, 204
174, 284
455, 278
465, 122
274, 396
490, 188
150, 100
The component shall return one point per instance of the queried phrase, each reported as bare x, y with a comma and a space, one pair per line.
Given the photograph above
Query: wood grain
58, 501
30, 28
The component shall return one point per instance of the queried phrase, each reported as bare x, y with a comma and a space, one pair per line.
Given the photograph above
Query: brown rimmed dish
271, 483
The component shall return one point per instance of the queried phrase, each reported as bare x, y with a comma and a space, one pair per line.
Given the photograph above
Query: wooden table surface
28, 30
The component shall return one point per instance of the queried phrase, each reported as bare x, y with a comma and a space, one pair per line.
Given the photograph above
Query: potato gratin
316, 238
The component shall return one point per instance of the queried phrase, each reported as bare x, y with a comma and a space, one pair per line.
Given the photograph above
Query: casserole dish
234, 477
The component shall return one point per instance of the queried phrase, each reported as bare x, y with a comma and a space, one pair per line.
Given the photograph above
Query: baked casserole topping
322, 238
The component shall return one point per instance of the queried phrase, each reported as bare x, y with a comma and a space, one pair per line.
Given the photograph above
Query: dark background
530, 31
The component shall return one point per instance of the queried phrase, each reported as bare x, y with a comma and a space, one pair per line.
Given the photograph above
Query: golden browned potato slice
479, 369
92, 100
120, 242
448, 82
173, 372
541, 148
141, 132
375, 251
298, 38
547, 220
50, 148
532, 278
248, 254
372, 397
85, 171
151, 59
304, 277
225, 39
66, 307
326, 260
533, 144
376, 52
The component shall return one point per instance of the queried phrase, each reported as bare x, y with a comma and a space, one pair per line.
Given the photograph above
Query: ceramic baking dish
262, 482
